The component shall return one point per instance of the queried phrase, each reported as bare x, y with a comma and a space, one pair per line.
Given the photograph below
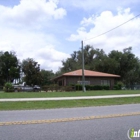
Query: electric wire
112, 29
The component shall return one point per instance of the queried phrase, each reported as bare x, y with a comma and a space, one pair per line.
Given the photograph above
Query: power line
113, 28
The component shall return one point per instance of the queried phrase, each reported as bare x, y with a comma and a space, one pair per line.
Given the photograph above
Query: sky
49, 31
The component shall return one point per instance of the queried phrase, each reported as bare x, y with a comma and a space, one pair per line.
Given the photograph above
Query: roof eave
117, 76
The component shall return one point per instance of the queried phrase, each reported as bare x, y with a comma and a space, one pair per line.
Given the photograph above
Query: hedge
92, 87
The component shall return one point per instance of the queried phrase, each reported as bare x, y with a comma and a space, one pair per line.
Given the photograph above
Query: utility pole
83, 77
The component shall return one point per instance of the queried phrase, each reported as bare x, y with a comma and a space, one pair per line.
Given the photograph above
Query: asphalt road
100, 128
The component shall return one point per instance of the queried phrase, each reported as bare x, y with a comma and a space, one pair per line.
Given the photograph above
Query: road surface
88, 123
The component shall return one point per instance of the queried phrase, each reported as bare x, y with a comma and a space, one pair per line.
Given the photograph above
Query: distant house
91, 78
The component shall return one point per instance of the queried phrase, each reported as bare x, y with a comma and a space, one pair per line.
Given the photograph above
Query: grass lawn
66, 94
66, 104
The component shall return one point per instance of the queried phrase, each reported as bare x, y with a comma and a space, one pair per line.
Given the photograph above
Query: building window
81, 82
105, 82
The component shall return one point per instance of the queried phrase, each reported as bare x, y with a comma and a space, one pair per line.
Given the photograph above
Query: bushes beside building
73, 87
55, 87
92, 87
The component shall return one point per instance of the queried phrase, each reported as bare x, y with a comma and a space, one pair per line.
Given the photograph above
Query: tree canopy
9, 67
31, 70
46, 75
28, 71
124, 63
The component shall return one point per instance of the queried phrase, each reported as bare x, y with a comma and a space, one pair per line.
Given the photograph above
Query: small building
91, 78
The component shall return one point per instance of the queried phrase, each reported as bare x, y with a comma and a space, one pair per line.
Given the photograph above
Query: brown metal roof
89, 73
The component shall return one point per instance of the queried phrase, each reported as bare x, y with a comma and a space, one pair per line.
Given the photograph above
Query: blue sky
50, 30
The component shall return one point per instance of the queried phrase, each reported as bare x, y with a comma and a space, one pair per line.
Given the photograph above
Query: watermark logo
131, 133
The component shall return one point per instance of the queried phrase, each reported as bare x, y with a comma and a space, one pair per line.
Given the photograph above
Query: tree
9, 67
46, 77
128, 65
124, 63
93, 58
31, 69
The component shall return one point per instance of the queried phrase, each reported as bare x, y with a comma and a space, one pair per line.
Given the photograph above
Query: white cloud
20, 31
29, 12
30, 45
51, 58
122, 37
88, 21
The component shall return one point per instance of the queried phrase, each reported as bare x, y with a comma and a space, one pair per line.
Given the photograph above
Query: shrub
88, 87
97, 87
105, 87
91, 87
8, 87
118, 86
68, 88
45, 88
78, 87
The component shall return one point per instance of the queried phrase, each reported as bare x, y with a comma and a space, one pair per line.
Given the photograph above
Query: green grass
66, 94
66, 103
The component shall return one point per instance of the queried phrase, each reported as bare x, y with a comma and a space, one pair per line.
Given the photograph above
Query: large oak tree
124, 63
9, 67
31, 70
